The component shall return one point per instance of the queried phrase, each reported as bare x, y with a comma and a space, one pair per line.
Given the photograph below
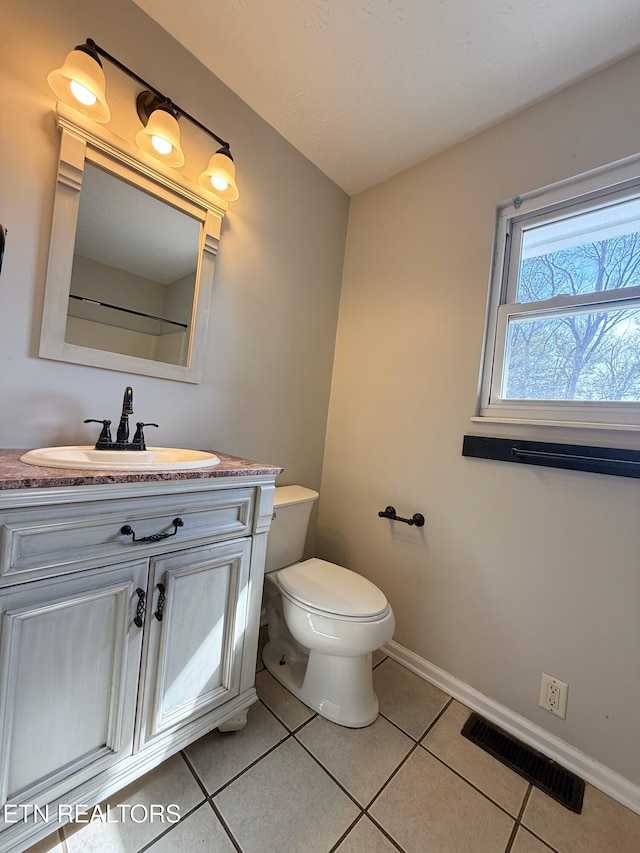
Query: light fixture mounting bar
101, 52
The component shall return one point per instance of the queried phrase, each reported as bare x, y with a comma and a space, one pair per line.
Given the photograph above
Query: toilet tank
292, 507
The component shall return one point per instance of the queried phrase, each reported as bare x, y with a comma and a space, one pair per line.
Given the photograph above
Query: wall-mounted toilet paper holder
390, 512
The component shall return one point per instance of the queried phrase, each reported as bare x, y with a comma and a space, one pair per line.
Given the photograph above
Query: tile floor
291, 782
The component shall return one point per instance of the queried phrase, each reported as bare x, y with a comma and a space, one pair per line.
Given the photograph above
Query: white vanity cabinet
116, 653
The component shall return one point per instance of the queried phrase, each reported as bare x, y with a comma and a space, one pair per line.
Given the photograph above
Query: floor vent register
565, 787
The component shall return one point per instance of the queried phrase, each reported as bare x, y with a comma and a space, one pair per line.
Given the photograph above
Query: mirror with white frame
131, 262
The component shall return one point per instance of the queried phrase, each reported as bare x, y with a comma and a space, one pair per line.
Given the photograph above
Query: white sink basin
89, 459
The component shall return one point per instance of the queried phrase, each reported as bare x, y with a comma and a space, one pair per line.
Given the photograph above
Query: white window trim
586, 188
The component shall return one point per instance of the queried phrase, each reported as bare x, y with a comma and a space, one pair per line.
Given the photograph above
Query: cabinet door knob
139, 617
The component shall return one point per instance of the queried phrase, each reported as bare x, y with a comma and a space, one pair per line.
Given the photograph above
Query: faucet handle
104, 439
138, 439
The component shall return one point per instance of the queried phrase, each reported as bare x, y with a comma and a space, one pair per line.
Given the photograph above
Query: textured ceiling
367, 88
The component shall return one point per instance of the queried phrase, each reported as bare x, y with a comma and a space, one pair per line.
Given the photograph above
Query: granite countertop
15, 474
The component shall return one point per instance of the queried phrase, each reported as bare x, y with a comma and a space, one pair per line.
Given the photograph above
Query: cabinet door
194, 651
69, 664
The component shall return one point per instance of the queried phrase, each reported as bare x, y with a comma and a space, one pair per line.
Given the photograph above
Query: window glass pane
587, 355
588, 252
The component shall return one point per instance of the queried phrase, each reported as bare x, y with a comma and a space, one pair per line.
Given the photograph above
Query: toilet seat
328, 589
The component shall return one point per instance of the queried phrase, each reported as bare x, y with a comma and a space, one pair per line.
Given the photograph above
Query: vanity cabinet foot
235, 723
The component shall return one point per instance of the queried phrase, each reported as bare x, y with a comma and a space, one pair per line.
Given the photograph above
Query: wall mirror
131, 263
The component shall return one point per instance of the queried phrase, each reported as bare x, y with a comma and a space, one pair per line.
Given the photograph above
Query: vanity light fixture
80, 83
160, 135
221, 175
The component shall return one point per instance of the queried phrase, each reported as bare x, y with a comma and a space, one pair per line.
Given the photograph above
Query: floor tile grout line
148, 844
329, 774
384, 831
169, 829
464, 779
209, 796
417, 745
291, 736
240, 773
396, 726
199, 781
225, 825
364, 816
365, 809
539, 837
436, 719
344, 835
527, 828
517, 824
281, 719
391, 776
426, 731
304, 725
400, 729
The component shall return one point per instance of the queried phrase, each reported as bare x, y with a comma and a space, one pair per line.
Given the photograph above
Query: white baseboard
616, 786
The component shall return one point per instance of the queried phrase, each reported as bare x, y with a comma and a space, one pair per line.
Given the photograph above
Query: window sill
524, 422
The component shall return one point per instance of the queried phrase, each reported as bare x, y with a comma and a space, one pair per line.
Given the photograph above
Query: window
563, 330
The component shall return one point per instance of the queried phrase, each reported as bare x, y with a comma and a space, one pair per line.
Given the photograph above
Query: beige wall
274, 312
519, 569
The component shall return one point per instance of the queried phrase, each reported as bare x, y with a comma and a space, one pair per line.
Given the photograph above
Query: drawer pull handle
127, 530
139, 618
161, 600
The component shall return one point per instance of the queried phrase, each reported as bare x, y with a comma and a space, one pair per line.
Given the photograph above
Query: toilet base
338, 688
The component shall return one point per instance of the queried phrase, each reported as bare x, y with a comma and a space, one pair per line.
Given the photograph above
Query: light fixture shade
161, 131
82, 72
220, 171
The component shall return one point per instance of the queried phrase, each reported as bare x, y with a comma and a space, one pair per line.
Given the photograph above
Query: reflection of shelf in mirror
127, 318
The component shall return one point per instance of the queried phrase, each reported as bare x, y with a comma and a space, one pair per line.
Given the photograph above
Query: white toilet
324, 621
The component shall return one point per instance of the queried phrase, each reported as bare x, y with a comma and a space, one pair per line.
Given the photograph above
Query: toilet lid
332, 589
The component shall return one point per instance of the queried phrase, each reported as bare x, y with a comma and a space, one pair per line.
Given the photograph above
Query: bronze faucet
122, 436
105, 442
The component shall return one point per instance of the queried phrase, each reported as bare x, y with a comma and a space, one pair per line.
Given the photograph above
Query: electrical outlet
553, 695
